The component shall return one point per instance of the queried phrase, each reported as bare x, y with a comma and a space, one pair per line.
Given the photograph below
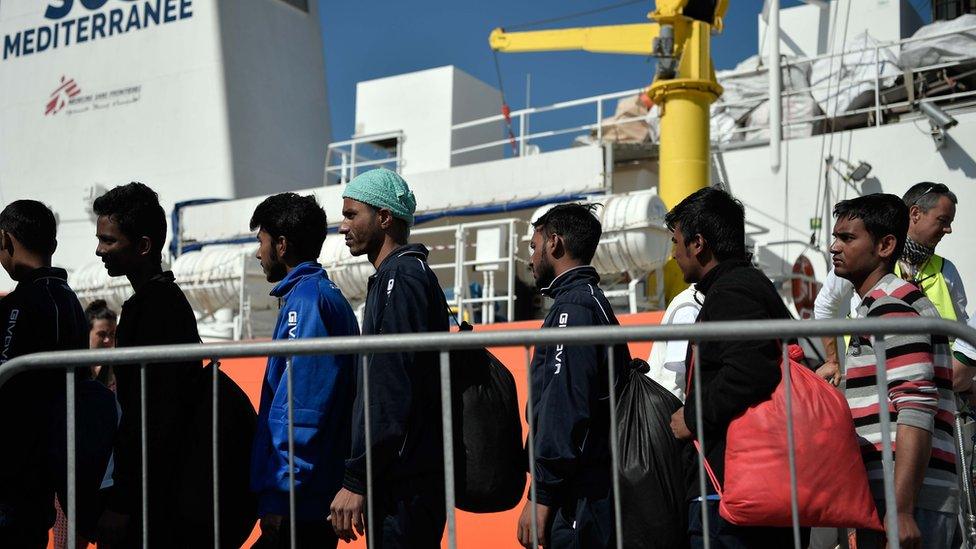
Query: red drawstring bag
832, 482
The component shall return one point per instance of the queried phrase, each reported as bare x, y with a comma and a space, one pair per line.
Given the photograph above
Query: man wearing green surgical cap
404, 297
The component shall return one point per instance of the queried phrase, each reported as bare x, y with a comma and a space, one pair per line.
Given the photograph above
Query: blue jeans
725, 535
937, 530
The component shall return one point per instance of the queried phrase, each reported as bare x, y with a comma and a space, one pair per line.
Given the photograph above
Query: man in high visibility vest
931, 211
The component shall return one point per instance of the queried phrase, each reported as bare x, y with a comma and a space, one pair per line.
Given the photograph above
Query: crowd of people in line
884, 265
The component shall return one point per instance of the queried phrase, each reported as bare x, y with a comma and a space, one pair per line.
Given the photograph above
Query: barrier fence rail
445, 342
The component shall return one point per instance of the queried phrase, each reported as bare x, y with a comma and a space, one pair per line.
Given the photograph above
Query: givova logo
92, 22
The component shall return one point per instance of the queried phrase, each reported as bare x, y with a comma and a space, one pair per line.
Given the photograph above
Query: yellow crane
684, 84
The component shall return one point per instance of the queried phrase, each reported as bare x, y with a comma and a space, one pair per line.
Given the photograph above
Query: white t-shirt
667, 358
964, 347
838, 292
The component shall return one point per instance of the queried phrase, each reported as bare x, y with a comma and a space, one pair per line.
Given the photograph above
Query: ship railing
521, 118
144, 358
346, 159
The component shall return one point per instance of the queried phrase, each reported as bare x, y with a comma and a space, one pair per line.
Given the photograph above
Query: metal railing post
887, 456
144, 449
790, 444
700, 430
291, 454
877, 86
530, 421
522, 140
367, 431
447, 430
70, 506
214, 433
599, 120
614, 447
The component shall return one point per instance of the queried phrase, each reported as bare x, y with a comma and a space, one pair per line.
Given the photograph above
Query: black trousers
410, 514
317, 534
725, 535
586, 523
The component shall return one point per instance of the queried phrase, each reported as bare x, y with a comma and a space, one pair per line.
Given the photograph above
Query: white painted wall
424, 105
227, 101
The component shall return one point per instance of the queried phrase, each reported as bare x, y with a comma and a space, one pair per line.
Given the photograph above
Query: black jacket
404, 297
41, 314
570, 396
735, 374
157, 314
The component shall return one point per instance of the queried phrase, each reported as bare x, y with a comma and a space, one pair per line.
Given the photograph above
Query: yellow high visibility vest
933, 284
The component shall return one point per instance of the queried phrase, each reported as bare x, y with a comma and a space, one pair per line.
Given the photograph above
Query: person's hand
678, 426
111, 528
271, 526
830, 371
524, 533
909, 536
346, 513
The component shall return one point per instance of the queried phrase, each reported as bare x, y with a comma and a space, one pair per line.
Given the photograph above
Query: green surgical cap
382, 188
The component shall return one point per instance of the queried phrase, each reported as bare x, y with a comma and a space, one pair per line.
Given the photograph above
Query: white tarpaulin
837, 81
954, 47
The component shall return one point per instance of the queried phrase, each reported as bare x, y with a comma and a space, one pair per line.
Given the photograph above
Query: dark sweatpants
585, 523
725, 535
411, 514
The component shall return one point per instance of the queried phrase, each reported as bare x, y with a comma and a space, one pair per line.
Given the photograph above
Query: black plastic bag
652, 486
489, 461
237, 424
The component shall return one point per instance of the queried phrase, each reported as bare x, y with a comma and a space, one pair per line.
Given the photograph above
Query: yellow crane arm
633, 39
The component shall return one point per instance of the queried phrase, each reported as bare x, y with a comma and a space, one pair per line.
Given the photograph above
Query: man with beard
868, 238
404, 297
570, 389
291, 230
131, 230
931, 211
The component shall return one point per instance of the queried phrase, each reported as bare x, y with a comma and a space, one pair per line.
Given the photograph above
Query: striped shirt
919, 391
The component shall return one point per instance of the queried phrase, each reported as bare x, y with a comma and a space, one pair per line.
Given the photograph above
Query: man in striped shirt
868, 238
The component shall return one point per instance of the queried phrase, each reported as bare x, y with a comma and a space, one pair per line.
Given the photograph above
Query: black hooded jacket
570, 395
404, 297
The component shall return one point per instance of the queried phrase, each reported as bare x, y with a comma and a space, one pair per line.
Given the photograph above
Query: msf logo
58, 9
61, 96
8, 336
563, 321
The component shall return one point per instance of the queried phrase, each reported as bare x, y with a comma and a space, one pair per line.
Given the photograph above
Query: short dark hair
882, 214
926, 195
135, 208
33, 224
99, 310
717, 216
577, 224
299, 219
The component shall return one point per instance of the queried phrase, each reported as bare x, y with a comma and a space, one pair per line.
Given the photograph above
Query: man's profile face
540, 263
684, 257
267, 254
929, 227
360, 226
854, 250
116, 250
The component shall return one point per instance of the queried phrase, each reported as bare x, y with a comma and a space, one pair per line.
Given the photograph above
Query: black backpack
489, 461
652, 484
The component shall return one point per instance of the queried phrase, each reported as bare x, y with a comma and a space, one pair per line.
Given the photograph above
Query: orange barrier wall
474, 531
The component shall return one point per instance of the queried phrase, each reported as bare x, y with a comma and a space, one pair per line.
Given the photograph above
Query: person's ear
696, 245
6, 242
557, 246
385, 218
280, 245
144, 245
914, 213
885, 246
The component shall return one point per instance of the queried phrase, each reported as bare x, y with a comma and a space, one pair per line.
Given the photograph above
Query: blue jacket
322, 389
570, 395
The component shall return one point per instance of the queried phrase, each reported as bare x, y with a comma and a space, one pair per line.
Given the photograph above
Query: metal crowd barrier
445, 342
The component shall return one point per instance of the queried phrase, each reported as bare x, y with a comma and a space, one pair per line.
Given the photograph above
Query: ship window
300, 4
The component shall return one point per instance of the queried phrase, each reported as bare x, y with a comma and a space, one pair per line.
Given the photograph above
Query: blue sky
371, 39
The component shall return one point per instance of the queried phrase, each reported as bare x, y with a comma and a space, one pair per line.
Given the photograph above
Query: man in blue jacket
404, 388
570, 389
291, 230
